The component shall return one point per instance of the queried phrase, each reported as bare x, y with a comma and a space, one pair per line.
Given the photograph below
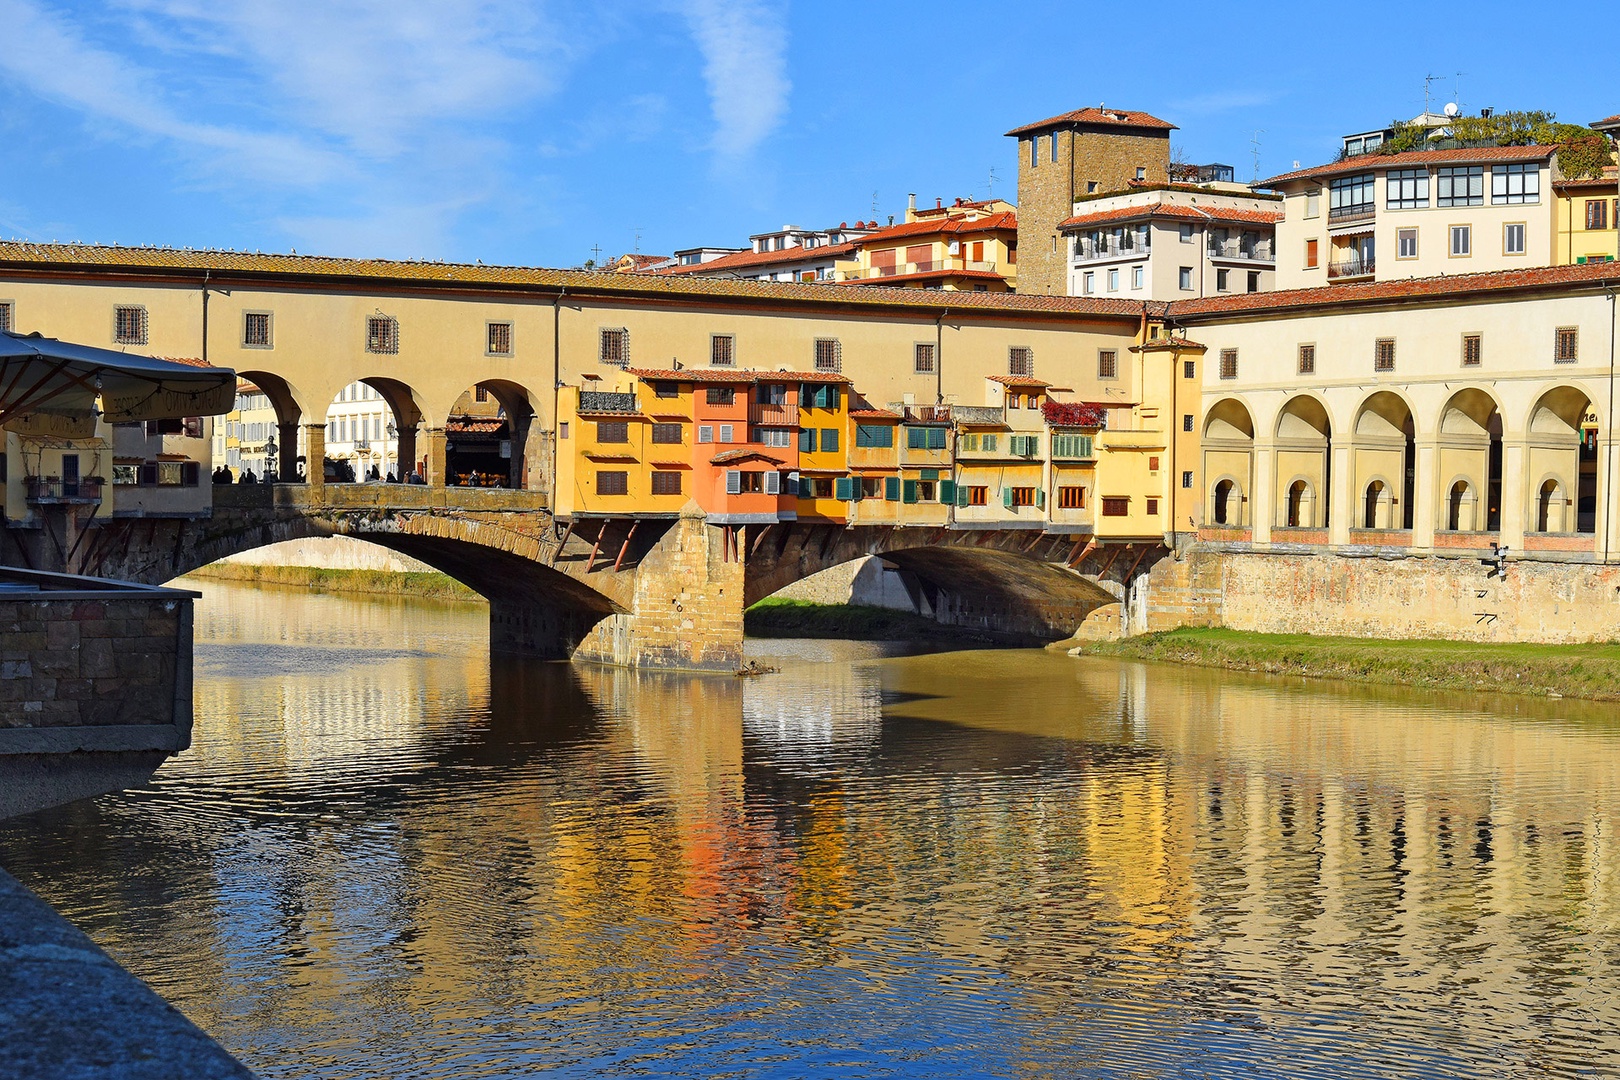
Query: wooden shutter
909, 491
773, 483
891, 488
963, 496
1040, 498
807, 441
841, 488
947, 491
733, 482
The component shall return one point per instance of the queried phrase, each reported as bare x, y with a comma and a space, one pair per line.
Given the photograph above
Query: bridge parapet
304, 499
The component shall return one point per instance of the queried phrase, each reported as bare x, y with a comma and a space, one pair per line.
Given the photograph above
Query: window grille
615, 347
722, 350
499, 339
382, 334
1473, 346
1564, 349
829, 354
129, 325
1307, 360
1384, 355
1021, 361
1229, 363
923, 358
256, 329
1107, 364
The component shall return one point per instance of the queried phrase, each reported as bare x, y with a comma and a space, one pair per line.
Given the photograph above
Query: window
705, 433
922, 358
773, 437
1018, 496
1313, 204
1024, 445
967, 441
1034, 151
975, 496
874, 436
829, 355
1406, 189
480, 393
1515, 184
1221, 279
1307, 360
256, 329
382, 334
1462, 240
722, 350
829, 440
615, 347
1186, 234
1020, 360
1069, 446
1189, 369
1460, 185
1014, 401
1186, 278
1384, 354
612, 431
1564, 348
1141, 173
6, 320
1054, 141
1116, 506
771, 394
1153, 463
720, 395
1350, 196
1513, 238
807, 441
725, 434
1071, 498
1312, 254
1473, 345
1187, 478
1107, 364
667, 434
1186, 421
1088, 283
666, 483
1597, 213
1136, 277
129, 325
1229, 363
666, 389
613, 483
925, 438
562, 430
1152, 507
824, 396
990, 441
1406, 244
1254, 281
1113, 280
498, 339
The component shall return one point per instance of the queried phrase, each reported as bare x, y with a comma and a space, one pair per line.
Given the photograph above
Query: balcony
48, 490
984, 415
601, 402
1234, 249
1357, 267
925, 414
1345, 215
1090, 251
867, 273
774, 415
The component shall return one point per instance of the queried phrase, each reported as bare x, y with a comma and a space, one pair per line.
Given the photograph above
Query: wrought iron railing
601, 401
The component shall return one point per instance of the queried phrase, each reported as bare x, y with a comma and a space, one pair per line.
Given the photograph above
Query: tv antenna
637, 248
990, 184
874, 203
1254, 148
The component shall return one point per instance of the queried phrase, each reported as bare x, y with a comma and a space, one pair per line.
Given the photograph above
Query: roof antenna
1254, 145
990, 184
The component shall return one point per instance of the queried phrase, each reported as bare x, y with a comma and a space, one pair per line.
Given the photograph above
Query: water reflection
387, 857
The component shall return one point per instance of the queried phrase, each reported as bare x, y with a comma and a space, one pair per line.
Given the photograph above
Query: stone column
314, 456
517, 477
1342, 497
1514, 506
1262, 508
1426, 494
287, 454
436, 457
407, 451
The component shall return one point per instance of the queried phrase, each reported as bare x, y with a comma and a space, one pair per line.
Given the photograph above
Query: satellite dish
1451, 108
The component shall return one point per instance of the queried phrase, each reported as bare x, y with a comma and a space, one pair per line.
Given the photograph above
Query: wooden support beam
1076, 559
590, 563
1110, 563
1138, 562
624, 547
1026, 548
760, 539
555, 555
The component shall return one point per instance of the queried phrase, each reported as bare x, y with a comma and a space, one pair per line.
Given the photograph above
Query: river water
387, 857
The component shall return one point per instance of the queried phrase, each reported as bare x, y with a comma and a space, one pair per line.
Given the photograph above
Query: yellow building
1584, 213
968, 247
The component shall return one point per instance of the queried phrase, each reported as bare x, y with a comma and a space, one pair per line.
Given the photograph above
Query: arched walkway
1304, 463
1470, 449
1228, 451
1561, 462
268, 439
1384, 454
490, 438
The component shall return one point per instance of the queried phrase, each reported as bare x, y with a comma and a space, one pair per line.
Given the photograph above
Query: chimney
939, 203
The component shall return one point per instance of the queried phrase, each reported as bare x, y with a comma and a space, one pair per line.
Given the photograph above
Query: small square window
722, 350
829, 355
614, 346
922, 358
7, 315
1088, 283
1473, 346
1307, 359
666, 483
1384, 355
1186, 421
498, 339
1189, 369
1462, 241
1113, 280
1186, 278
1513, 241
1564, 348
720, 395
1221, 277
1107, 364
382, 334
1186, 234
256, 329
613, 483
129, 325
1406, 244
1187, 479
1020, 360
1136, 277
1229, 363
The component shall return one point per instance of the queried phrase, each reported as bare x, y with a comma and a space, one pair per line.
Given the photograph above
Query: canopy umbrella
51, 387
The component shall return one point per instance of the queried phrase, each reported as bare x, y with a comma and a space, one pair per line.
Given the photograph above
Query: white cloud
744, 47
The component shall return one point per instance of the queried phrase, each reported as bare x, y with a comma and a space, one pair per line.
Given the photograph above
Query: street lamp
390, 446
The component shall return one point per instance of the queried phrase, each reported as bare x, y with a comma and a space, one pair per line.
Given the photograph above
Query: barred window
256, 329
922, 358
6, 321
720, 395
1116, 506
1461, 185
1384, 354
1564, 350
722, 350
498, 339
615, 346
1229, 363
1472, 347
666, 389
1020, 360
613, 483
612, 431
666, 483
480, 393
1107, 364
129, 325
382, 334
1514, 184
829, 355
1307, 359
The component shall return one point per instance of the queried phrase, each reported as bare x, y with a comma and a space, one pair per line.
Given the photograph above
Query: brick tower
1085, 152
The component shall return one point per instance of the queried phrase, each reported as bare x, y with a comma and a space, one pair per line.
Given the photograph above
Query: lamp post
390, 446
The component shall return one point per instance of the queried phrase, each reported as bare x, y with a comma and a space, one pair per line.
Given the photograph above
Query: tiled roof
1006, 220
743, 454
1448, 285
692, 375
1167, 343
1103, 116
1172, 210
189, 361
923, 275
1018, 380
766, 258
874, 414
470, 426
1483, 155
1607, 121
114, 261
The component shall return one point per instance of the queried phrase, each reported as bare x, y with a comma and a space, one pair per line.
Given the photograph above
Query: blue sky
531, 132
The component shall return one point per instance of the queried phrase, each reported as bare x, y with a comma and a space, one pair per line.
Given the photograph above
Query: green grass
776, 617
432, 586
1584, 671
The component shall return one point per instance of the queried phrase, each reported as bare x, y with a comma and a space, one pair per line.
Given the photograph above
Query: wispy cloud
1220, 101
744, 47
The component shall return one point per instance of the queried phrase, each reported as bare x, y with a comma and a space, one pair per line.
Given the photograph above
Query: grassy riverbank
1575, 671
431, 586
776, 617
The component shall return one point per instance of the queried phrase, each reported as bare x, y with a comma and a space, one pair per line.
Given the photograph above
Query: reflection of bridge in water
661, 591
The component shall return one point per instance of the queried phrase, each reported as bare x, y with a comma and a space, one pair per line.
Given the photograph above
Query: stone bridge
640, 591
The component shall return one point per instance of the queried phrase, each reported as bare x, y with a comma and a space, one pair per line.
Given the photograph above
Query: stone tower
1087, 152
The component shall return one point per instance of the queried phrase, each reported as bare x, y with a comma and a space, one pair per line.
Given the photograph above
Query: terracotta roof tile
1450, 285
312, 269
188, 361
693, 375
743, 454
1101, 116
766, 258
1607, 121
924, 275
1172, 210
1005, 220
1018, 380
469, 426
874, 414
1483, 155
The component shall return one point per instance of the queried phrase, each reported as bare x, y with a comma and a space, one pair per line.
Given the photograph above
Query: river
386, 856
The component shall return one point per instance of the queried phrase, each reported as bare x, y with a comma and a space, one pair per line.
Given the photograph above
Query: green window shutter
928, 474
807, 441
990, 443
891, 488
829, 440
1085, 446
916, 438
961, 496
1015, 445
947, 491
936, 438
1040, 498
1006, 497
841, 489
910, 488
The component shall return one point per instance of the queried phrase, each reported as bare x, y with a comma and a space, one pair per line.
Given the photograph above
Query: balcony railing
925, 414
863, 273
774, 415
1350, 268
1343, 215
601, 401
1088, 250
1233, 249
53, 489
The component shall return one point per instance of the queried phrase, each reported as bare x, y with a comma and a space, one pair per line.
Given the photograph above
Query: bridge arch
291, 407
491, 438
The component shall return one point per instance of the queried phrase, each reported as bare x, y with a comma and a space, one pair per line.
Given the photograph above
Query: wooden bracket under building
624, 547
590, 563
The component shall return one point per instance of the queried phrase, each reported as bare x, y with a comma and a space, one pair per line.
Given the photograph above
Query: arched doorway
1561, 448
488, 435
1377, 506
1386, 451
1462, 508
1471, 450
1228, 456
371, 432
1227, 503
1300, 507
1550, 508
266, 428
1302, 446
